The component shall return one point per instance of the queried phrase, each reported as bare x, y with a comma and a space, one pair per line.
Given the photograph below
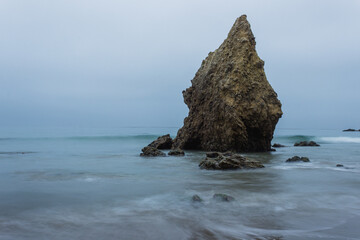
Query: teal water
92, 184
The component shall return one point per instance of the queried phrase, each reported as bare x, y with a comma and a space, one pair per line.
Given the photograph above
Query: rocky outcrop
351, 130
226, 161
163, 142
151, 152
298, 159
176, 152
306, 144
232, 106
278, 145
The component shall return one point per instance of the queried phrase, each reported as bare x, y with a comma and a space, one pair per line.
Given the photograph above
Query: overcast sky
125, 63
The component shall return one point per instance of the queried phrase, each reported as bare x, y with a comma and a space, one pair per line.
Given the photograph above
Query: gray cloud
126, 63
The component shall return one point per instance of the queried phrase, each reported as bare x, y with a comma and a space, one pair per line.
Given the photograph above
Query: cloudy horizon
114, 63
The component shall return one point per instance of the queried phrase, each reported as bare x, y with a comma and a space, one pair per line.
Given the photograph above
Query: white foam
90, 179
341, 139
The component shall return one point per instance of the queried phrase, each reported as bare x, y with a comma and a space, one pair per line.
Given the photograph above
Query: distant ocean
59, 183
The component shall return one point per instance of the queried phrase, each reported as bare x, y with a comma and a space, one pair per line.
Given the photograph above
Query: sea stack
232, 106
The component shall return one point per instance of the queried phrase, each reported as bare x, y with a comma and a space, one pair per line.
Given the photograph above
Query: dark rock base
227, 161
151, 152
298, 159
306, 144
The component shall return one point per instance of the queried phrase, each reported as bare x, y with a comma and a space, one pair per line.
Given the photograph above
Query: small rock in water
226, 161
223, 197
176, 152
196, 198
278, 145
163, 142
298, 159
339, 165
349, 130
306, 144
151, 152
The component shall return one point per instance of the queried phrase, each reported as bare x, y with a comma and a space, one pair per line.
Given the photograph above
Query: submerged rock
226, 161
223, 197
163, 142
176, 152
298, 159
232, 106
196, 198
278, 145
151, 152
306, 144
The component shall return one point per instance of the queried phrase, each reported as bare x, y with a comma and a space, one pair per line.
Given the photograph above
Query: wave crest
340, 139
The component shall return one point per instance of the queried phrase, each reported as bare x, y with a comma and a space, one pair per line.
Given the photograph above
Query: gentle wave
288, 138
340, 139
294, 138
15, 153
88, 138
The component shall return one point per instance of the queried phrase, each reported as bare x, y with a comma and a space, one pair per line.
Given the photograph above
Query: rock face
232, 106
226, 161
151, 152
306, 144
298, 159
163, 142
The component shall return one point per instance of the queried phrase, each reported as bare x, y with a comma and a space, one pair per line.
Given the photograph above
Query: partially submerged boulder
163, 142
151, 152
196, 198
232, 106
298, 159
176, 152
306, 144
226, 161
349, 130
278, 145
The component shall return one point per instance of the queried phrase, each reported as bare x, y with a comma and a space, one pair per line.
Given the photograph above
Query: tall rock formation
232, 106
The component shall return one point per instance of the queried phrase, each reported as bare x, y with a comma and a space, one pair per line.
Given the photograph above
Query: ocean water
92, 184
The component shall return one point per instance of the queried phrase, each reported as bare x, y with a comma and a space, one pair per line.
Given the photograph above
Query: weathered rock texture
298, 159
151, 152
228, 160
163, 142
232, 106
176, 152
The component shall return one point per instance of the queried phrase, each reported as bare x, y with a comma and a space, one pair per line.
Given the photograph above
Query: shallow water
92, 184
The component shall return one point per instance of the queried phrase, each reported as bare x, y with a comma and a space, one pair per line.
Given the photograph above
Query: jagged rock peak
232, 106
242, 31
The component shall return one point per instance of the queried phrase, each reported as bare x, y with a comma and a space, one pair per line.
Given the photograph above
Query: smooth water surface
92, 184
